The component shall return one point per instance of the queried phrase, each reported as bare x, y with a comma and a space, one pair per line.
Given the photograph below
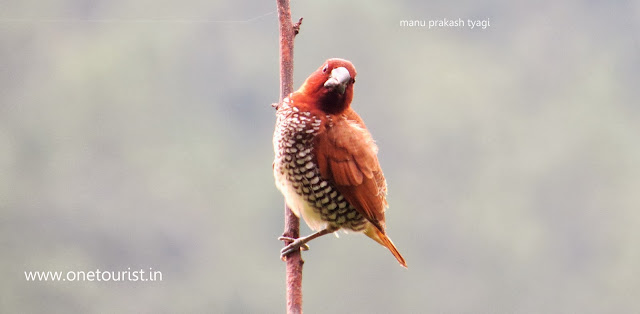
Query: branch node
296, 27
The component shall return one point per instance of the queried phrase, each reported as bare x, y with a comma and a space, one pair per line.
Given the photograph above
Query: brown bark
291, 222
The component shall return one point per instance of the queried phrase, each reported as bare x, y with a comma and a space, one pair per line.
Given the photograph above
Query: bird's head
331, 86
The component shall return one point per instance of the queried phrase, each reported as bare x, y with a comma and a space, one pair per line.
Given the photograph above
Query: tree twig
291, 222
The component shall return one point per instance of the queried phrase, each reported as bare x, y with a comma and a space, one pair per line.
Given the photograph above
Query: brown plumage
326, 162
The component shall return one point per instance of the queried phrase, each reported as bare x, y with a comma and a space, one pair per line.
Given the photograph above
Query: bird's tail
374, 233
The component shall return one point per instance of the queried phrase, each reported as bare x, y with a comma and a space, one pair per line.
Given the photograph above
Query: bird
326, 163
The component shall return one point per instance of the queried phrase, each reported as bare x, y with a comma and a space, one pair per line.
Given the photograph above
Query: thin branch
291, 221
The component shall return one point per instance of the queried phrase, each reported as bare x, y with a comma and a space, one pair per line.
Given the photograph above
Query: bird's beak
338, 79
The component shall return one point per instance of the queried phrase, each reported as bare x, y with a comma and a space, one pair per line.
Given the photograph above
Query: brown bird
326, 162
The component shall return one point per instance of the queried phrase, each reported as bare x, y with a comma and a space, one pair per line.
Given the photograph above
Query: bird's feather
347, 154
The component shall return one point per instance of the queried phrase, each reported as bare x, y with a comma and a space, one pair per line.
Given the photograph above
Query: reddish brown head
330, 86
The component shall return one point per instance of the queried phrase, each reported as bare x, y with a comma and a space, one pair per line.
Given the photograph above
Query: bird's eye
325, 69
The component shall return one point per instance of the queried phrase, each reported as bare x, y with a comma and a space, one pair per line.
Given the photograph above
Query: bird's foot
299, 243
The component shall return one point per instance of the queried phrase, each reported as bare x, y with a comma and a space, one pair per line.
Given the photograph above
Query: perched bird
326, 163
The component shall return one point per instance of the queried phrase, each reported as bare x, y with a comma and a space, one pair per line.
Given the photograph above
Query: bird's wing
347, 154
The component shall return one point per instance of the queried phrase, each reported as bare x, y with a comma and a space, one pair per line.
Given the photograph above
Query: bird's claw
295, 244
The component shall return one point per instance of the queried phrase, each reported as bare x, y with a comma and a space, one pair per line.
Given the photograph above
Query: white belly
297, 203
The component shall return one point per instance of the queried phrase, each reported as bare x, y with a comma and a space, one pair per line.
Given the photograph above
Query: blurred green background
138, 134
